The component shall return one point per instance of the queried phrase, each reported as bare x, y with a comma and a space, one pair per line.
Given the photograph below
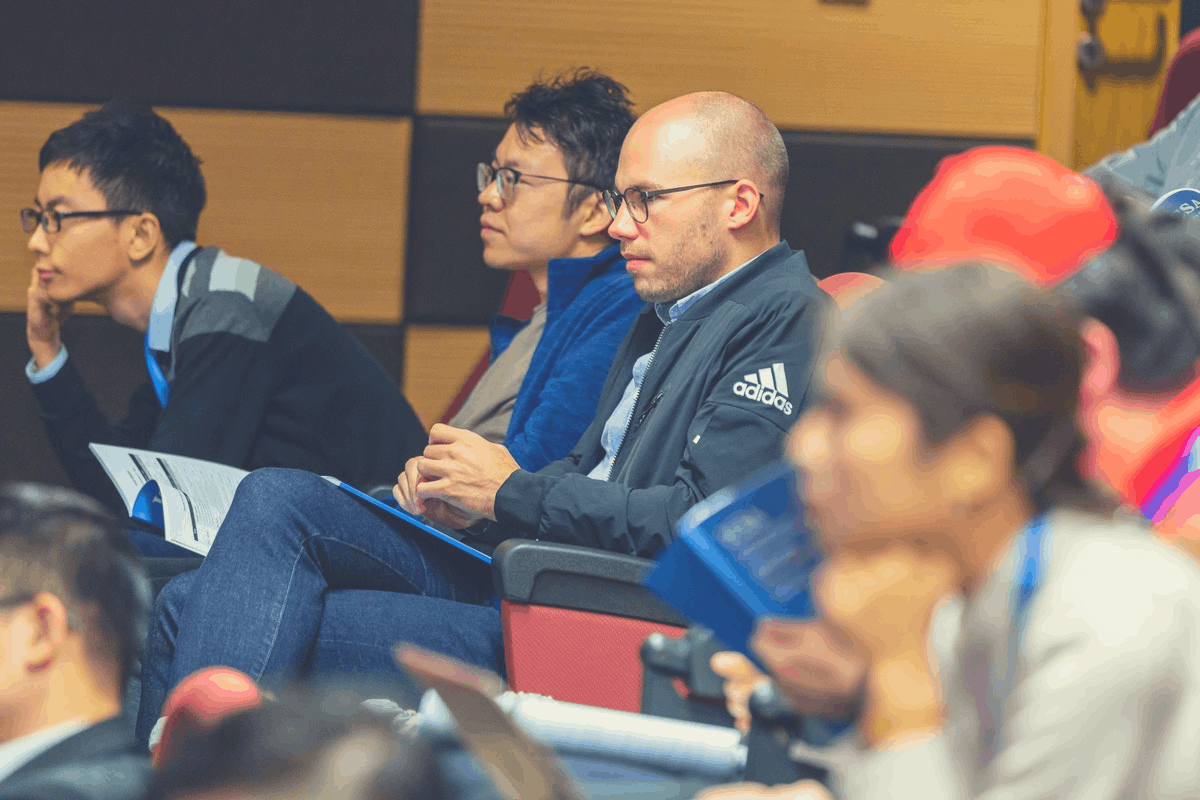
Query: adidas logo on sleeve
768, 386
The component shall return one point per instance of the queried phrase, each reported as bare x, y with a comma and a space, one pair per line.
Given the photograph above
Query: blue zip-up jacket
590, 306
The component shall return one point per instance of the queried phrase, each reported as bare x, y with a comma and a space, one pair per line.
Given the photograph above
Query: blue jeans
305, 580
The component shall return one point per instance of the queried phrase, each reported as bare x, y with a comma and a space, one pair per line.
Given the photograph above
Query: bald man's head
734, 139
699, 190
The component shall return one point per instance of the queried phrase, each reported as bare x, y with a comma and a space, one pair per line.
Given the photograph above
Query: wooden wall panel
941, 67
23, 129
1114, 109
322, 200
437, 359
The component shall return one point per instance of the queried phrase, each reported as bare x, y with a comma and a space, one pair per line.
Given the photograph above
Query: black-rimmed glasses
638, 201
51, 220
506, 179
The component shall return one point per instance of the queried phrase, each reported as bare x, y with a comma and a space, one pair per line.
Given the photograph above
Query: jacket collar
107, 737
566, 276
724, 289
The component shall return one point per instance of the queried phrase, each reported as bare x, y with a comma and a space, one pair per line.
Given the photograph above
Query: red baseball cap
1006, 204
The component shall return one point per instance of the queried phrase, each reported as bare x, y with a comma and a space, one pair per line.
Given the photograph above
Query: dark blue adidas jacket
697, 425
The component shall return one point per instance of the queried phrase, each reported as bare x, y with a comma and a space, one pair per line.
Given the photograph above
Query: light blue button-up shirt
617, 425
162, 316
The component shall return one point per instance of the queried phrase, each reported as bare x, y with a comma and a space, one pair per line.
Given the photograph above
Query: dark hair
971, 340
586, 115
1146, 289
137, 161
58, 541
280, 744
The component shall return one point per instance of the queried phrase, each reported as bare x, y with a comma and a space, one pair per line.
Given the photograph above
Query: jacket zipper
636, 394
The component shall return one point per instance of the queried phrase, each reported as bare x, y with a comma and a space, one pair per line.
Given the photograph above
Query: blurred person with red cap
1134, 274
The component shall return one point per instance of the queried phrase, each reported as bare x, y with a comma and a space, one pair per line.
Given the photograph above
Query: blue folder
741, 554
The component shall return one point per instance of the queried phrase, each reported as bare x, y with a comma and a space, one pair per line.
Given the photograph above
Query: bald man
700, 395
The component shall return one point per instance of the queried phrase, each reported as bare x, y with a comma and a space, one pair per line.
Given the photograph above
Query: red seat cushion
577, 656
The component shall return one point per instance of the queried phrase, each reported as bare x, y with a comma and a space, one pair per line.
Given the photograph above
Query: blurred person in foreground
1139, 398
73, 604
300, 745
943, 460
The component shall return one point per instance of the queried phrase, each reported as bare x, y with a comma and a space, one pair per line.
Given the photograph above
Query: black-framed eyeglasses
51, 220
506, 179
638, 201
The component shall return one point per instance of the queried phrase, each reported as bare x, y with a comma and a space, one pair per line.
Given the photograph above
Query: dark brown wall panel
352, 56
446, 280
837, 180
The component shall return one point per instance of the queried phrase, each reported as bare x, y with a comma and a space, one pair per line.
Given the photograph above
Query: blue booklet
741, 554
417, 522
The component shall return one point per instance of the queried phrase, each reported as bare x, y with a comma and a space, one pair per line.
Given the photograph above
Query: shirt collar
19, 752
162, 312
677, 309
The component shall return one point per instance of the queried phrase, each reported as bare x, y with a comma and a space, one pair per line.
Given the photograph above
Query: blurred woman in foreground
943, 460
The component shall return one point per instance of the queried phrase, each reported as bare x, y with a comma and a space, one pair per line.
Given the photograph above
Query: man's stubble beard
709, 249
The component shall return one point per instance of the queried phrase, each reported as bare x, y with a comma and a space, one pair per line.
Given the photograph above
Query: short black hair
280, 745
1146, 289
59, 541
137, 161
586, 114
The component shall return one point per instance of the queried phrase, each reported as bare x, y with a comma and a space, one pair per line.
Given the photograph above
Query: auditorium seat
574, 618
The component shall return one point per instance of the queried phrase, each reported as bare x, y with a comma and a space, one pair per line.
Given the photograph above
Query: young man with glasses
245, 368
73, 605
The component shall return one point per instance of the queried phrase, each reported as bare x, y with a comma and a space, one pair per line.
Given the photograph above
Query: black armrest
580, 578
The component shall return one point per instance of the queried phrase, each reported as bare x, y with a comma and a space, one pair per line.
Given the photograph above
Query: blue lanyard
1031, 550
157, 378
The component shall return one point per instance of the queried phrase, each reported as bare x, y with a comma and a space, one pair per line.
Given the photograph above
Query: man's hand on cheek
464, 470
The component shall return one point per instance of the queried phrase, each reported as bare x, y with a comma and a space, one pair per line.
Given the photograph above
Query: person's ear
1102, 363
49, 623
747, 205
145, 238
978, 462
593, 216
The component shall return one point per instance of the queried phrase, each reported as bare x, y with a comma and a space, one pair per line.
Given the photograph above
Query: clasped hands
455, 480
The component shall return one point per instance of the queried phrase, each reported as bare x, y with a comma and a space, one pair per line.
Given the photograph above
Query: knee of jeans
172, 600
273, 494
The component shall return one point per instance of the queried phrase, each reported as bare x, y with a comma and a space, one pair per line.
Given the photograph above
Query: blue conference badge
1181, 201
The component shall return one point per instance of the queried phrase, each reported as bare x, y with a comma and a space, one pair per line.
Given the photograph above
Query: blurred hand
815, 665
44, 320
884, 599
741, 677
804, 790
